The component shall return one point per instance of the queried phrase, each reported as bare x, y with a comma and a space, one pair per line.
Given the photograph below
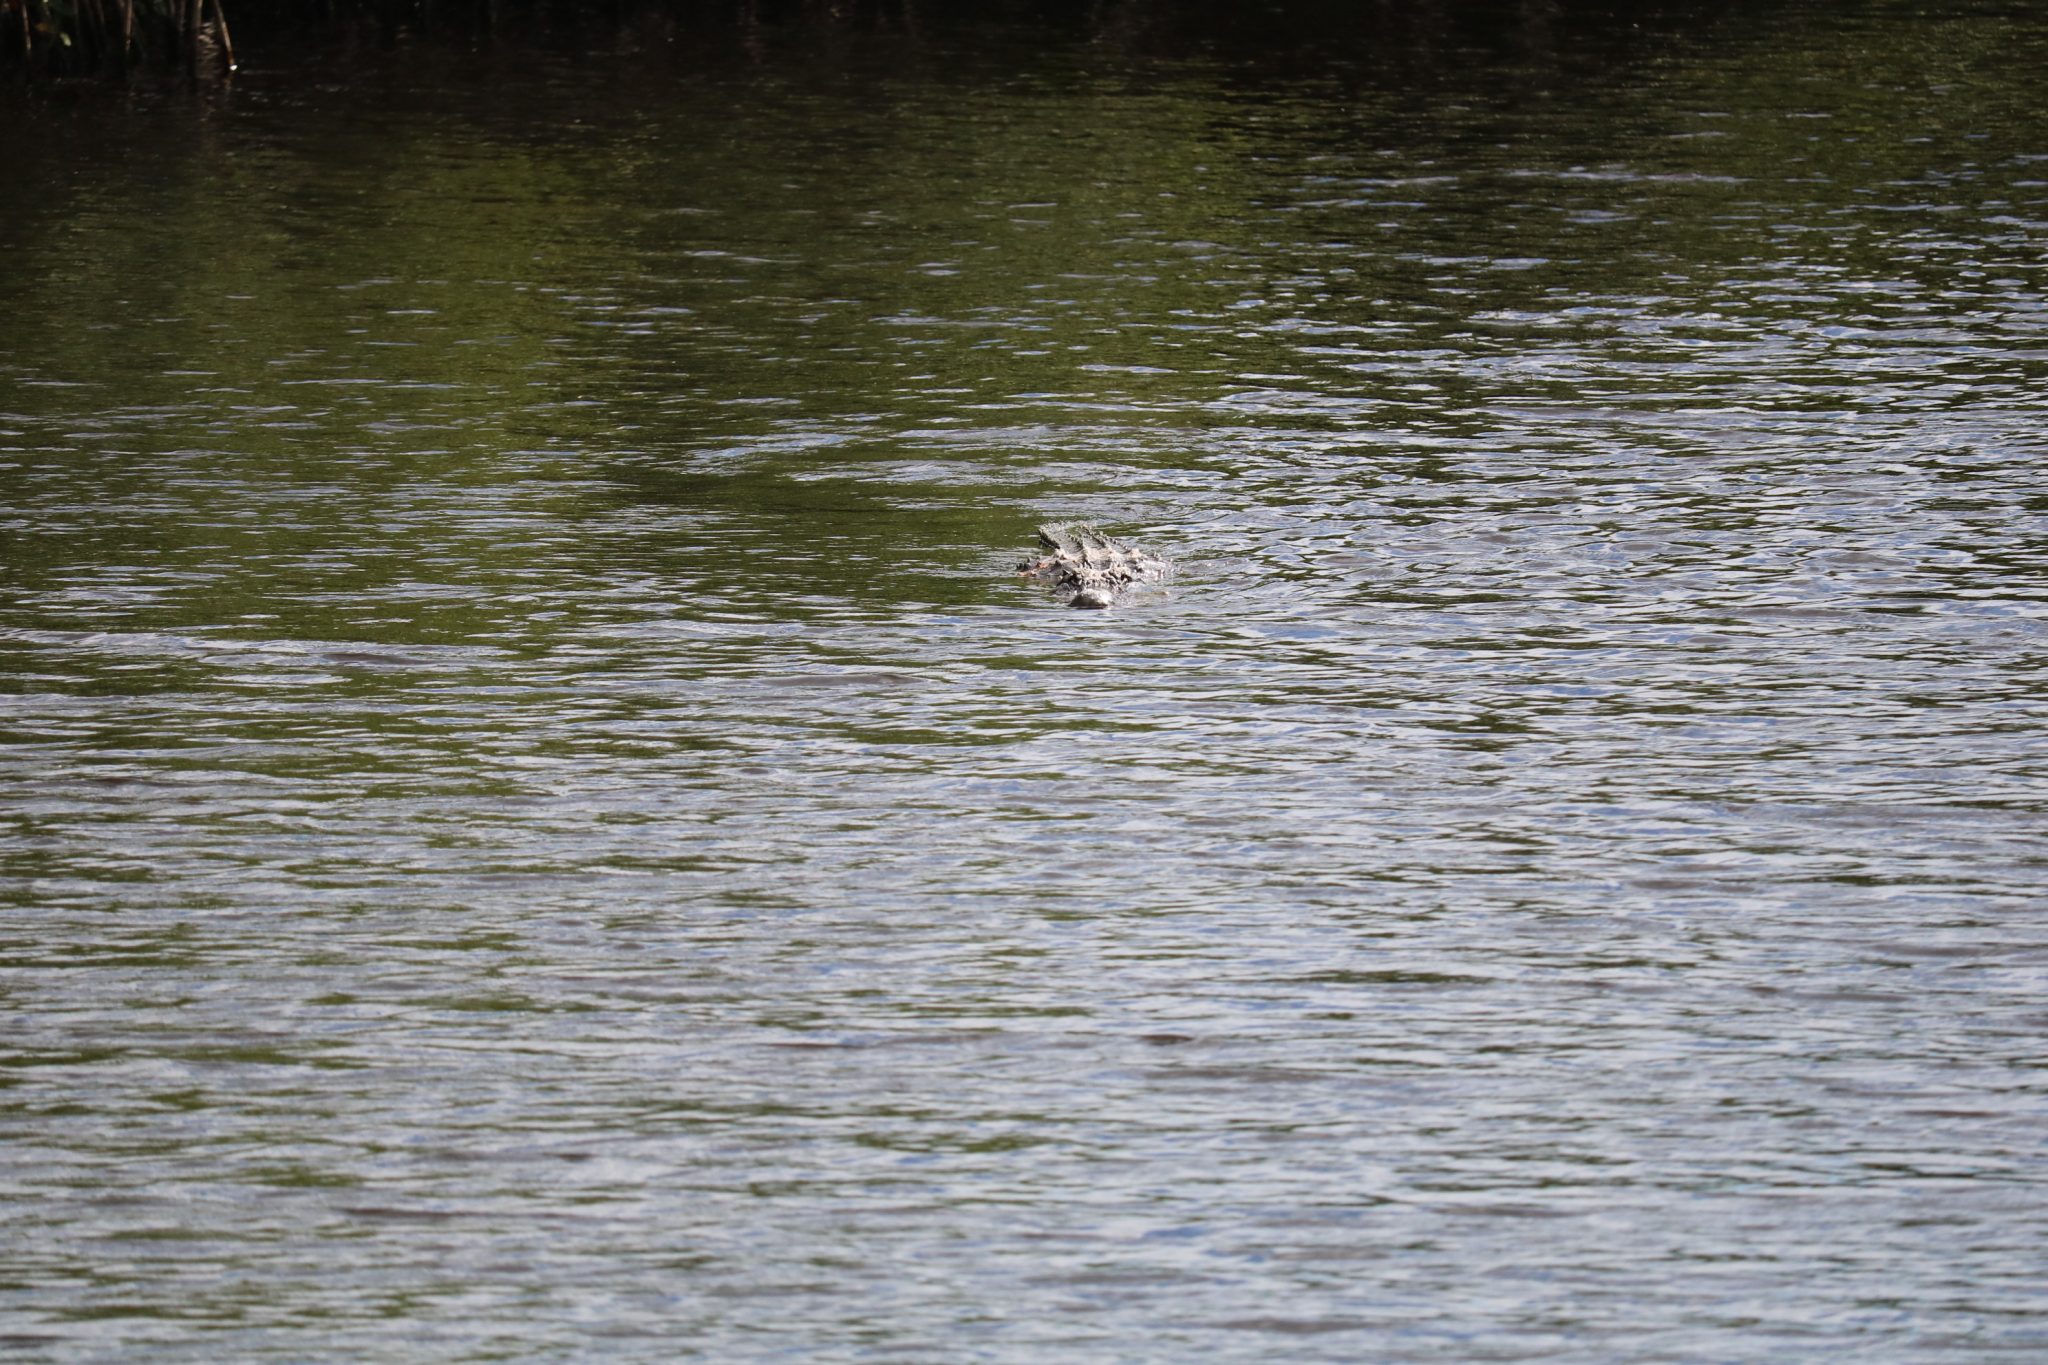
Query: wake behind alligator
1089, 568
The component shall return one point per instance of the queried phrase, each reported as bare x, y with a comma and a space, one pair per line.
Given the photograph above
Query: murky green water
538, 821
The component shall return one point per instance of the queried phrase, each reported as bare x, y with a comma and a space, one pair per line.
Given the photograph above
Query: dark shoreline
207, 41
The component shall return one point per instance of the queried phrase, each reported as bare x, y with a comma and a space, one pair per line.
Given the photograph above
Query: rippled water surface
538, 821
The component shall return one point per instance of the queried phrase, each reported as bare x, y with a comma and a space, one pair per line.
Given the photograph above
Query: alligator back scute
1089, 568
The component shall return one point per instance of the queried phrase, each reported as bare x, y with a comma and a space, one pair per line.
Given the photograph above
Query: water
539, 821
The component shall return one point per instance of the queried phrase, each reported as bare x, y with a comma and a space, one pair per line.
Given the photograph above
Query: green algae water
537, 819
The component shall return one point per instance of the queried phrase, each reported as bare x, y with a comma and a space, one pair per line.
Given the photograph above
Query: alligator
1088, 567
